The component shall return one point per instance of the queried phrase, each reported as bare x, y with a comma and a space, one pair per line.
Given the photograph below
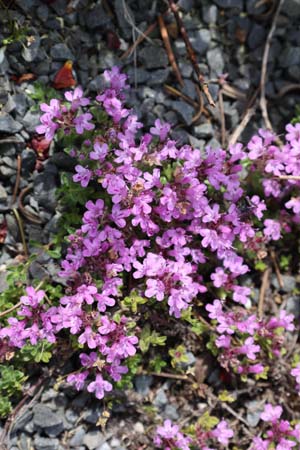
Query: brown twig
21, 229
173, 376
200, 110
191, 54
166, 40
3, 313
140, 39
29, 216
262, 292
17, 183
277, 271
249, 112
173, 91
222, 117
286, 89
263, 102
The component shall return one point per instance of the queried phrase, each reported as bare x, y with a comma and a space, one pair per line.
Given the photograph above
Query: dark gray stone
42, 12
47, 420
97, 18
239, 4
104, 446
63, 161
5, 171
31, 120
22, 421
171, 412
21, 103
124, 17
60, 52
289, 57
292, 9
153, 57
215, 60
42, 443
8, 124
142, 384
44, 190
210, 14
256, 36
201, 40
77, 436
293, 305
71, 416
185, 111
91, 415
254, 410
28, 160
186, 5
160, 399
253, 7
289, 283
139, 75
93, 439
158, 76
294, 72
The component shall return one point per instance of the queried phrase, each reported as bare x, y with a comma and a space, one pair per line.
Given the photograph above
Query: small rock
60, 52
42, 443
21, 103
239, 4
290, 57
215, 60
289, 283
97, 18
93, 439
91, 415
124, 24
22, 421
44, 418
292, 9
171, 412
28, 160
158, 76
256, 36
71, 416
160, 399
253, 7
201, 40
8, 124
254, 410
44, 190
293, 305
139, 428
204, 130
185, 111
294, 72
104, 446
42, 12
142, 384
77, 436
210, 14
64, 161
153, 57
31, 120
115, 442
186, 5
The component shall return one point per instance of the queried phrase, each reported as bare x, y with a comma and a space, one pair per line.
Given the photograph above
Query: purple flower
53, 110
83, 175
116, 79
82, 123
271, 413
100, 151
33, 297
272, 229
160, 129
48, 128
249, 348
76, 98
99, 386
78, 379
155, 288
222, 432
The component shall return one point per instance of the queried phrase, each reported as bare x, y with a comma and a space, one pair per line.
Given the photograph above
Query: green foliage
133, 363
150, 338
133, 301
156, 364
285, 262
17, 32
11, 383
178, 356
40, 352
42, 93
296, 119
207, 422
225, 396
197, 327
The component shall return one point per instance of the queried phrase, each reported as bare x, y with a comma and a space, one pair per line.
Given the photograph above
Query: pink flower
76, 98
83, 175
222, 432
160, 129
100, 151
99, 386
271, 413
272, 229
82, 123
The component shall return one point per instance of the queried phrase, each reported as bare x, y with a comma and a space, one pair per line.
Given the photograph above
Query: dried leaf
3, 231
64, 77
22, 78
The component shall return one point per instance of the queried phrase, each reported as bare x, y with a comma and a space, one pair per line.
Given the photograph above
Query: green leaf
150, 338
207, 422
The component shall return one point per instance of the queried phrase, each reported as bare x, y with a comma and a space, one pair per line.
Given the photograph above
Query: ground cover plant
158, 259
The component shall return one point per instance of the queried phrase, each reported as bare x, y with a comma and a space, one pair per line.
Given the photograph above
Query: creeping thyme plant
171, 231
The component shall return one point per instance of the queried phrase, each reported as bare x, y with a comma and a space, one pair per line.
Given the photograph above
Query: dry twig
262, 292
191, 54
277, 271
222, 115
17, 183
165, 37
249, 112
140, 39
263, 102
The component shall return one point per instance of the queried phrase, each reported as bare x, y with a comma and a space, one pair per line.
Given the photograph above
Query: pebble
215, 61
30, 52
204, 130
43, 443
171, 412
3, 194
60, 52
93, 439
153, 57
48, 421
210, 14
44, 188
8, 124
104, 446
292, 9
185, 111
256, 36
239, 4
97, 18
142, 384
77, 436
289, 57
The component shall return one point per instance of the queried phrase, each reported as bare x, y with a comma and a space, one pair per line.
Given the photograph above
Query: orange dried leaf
64, 77
22, 78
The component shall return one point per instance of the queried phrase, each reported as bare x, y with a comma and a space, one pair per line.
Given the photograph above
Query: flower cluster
169, 437
170, 222
281, 435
